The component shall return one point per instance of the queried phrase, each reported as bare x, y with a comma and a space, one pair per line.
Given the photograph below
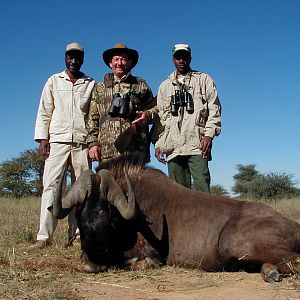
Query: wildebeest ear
111, 190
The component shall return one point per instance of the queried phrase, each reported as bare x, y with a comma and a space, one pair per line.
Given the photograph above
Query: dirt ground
168, 284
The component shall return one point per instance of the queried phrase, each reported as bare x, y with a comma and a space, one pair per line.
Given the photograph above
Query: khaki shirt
63, 109
181, 134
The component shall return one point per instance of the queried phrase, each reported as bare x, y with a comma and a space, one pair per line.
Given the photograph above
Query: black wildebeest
143, 216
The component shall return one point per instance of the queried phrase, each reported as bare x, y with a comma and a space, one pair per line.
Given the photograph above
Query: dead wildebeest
143, 216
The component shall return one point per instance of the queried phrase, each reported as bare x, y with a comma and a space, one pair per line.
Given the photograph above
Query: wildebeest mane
132, 162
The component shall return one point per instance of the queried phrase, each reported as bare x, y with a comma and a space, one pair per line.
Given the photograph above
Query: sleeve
160, 118
44, 114
92, 123
147, 101
213, 122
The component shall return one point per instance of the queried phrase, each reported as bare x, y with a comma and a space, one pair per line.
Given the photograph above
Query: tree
274, 186
218, 189
22, 176
243, 179
249, 183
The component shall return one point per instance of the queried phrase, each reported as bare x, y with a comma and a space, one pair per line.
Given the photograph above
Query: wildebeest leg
89, 267
143, 255
270, 273
290, 264
135, 264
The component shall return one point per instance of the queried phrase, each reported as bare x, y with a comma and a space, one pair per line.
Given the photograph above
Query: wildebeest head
89, 184
102, 209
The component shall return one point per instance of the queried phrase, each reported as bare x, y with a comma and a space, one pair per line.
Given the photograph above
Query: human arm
212, 126
160, 119
44, 147
160, 156
205, 146
92, 125
146, 105
95, 153
210, 116
44, 114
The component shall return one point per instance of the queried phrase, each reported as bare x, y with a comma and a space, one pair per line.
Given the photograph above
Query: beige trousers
76, 156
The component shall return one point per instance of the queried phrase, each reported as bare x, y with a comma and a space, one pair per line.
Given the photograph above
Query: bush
218, 190
260, 186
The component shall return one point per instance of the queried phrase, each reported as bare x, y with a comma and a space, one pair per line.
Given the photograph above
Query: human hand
95, 153
205, 146
142, 118
160, 156
44, 147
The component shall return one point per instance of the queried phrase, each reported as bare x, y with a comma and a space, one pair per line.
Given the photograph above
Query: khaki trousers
76, 156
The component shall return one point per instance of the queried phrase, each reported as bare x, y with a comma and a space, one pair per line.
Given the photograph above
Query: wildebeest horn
114, 194
76, 195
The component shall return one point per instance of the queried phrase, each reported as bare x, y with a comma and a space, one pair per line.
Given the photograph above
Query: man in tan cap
121, 108
60, 129
190, 117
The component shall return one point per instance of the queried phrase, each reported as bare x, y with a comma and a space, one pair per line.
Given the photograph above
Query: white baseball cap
181, 47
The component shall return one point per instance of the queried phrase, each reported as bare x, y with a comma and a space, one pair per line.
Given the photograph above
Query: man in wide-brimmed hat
121, 108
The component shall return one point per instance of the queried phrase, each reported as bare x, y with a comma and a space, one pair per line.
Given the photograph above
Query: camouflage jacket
104, 129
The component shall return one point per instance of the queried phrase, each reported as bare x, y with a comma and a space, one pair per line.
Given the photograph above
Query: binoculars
184, 99
119, 106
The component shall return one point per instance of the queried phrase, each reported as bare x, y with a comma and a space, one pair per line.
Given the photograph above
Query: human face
74, 61
120, 64
182, 60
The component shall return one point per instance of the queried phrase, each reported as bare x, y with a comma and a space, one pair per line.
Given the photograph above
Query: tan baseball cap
74, 47
181, 47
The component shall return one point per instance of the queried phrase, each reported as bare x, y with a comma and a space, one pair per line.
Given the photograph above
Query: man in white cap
121, 109
189, 119
61, 131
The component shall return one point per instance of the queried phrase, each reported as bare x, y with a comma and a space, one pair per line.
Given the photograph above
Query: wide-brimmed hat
109, 53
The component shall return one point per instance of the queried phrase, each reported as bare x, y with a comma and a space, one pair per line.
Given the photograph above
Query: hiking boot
38, 245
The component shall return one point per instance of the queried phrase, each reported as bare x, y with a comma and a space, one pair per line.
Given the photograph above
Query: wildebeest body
166, 223
212, 232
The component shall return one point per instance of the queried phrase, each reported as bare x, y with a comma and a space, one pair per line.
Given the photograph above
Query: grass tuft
52, 272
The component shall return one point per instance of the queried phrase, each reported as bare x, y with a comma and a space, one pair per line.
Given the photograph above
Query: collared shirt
104, 129
63, 109
181, 133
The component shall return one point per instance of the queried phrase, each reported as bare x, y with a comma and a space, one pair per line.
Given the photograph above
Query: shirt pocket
166, 142
82, 101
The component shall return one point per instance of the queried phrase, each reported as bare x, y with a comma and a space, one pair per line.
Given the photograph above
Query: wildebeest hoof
270, 273
135, 264
88, 267
131, 261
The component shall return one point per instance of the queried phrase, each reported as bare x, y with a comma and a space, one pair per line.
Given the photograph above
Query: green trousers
182, 168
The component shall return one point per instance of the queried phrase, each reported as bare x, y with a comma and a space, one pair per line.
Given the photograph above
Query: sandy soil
184, 284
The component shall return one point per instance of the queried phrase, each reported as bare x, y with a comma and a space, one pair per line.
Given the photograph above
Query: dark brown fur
195, 229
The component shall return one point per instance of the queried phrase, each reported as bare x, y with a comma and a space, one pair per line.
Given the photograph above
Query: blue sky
250, 48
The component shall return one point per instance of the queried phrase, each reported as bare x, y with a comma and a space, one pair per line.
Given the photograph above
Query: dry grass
289, 207
52, 273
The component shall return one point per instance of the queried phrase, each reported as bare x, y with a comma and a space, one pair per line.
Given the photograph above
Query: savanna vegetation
22, 177
52, 273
